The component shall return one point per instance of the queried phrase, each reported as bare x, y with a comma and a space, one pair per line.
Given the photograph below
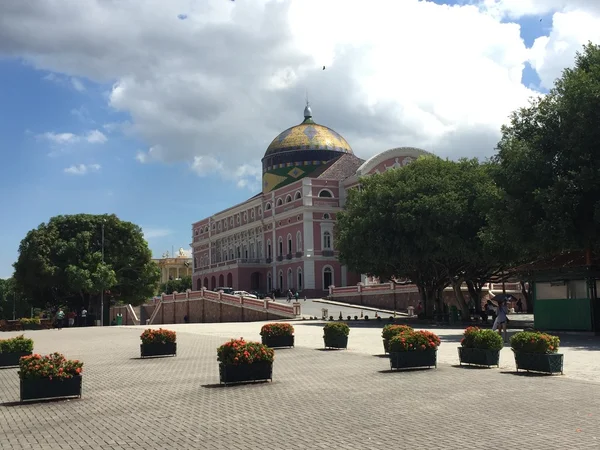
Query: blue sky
68, 141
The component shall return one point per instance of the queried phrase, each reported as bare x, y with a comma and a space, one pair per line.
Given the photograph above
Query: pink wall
337, 273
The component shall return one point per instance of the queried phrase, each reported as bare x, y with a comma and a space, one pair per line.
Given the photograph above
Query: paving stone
317, 400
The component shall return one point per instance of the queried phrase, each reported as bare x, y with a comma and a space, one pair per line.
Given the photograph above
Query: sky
160, 111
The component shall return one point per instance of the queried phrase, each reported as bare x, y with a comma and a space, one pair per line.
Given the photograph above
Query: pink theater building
283, 237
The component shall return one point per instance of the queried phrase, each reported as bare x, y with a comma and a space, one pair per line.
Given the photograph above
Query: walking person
60, 318
520, 306
501, 320
83, 321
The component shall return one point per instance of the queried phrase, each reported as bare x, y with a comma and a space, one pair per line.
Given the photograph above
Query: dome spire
307, 111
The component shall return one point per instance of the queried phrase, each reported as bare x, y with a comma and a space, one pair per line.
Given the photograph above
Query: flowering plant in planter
53, 366
277, 329
336, 329
18, 344
160, 336
238, 351
414, 341
475, 337
389, 331
534, 342
30, 321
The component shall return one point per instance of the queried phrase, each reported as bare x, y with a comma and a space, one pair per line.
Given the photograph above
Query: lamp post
102, 291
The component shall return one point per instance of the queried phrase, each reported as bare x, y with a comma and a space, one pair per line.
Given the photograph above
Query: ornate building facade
283, 237
173, 267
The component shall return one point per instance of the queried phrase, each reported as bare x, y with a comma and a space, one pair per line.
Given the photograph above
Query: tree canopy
421, 222
548, 166
60, 262
177, 285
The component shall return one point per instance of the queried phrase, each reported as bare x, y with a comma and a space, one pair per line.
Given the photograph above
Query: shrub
332, 330
389, 331
475, 337
534, 342
17, 344
160, 336
414, 341
28, 321
277, 329
49, 366
238, 351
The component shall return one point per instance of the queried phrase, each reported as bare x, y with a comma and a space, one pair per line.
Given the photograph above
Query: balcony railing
288, 256
280, 258
299, 254
269, 260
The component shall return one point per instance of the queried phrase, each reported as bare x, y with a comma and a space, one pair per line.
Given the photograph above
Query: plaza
344, 399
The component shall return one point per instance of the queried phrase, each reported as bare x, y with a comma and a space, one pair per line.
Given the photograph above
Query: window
279, 202
269, 283
298, 241
290, 280
219, 226
326, 216
196, 232
252, 214
238, 219
281, 280
299, 286
213, 226
288, 199
267, 206
326, 240
289, 241
239, 251
245, 252
327, 278
269, 248
231, 221
259, 212
325, 193
298, 196
245, 217
280, 247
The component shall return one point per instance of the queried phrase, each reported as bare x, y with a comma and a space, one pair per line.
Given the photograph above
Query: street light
102, 291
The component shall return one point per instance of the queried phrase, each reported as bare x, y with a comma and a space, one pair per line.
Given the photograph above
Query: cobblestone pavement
318, 400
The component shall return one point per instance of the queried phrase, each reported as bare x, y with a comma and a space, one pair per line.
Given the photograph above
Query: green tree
180, 285
61, 262
423, 222
548, 167
12, 301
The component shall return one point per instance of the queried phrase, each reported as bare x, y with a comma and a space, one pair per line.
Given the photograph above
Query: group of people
60, 316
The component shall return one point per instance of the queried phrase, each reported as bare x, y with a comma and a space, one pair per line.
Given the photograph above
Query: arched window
298, 196
280, 247
279, 202
269, 283
299, 276
326, 216
325, 193
326, 240
327, 278
267, 206
299, 241
259, 212
269, 248
289, 244
280, 280
288, 199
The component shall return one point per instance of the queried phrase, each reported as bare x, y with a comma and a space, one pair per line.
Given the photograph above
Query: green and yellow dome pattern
308, 136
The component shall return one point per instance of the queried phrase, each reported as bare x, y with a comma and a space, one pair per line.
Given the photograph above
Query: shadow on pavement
472, 366
523, 373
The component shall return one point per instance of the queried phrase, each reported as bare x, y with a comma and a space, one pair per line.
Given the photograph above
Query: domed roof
308, 136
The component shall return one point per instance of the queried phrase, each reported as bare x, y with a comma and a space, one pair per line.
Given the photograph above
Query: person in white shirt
501, 319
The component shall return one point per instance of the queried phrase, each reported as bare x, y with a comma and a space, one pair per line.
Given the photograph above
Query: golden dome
308, 136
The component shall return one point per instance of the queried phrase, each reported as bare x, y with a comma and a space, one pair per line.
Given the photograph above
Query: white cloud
77, 84
82, 169
92, 136
96, 137
58, 138
153, 233
214, 89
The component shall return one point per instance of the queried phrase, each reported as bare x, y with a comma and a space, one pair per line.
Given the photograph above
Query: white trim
309, 273
325, 190
399, 152
288, 198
